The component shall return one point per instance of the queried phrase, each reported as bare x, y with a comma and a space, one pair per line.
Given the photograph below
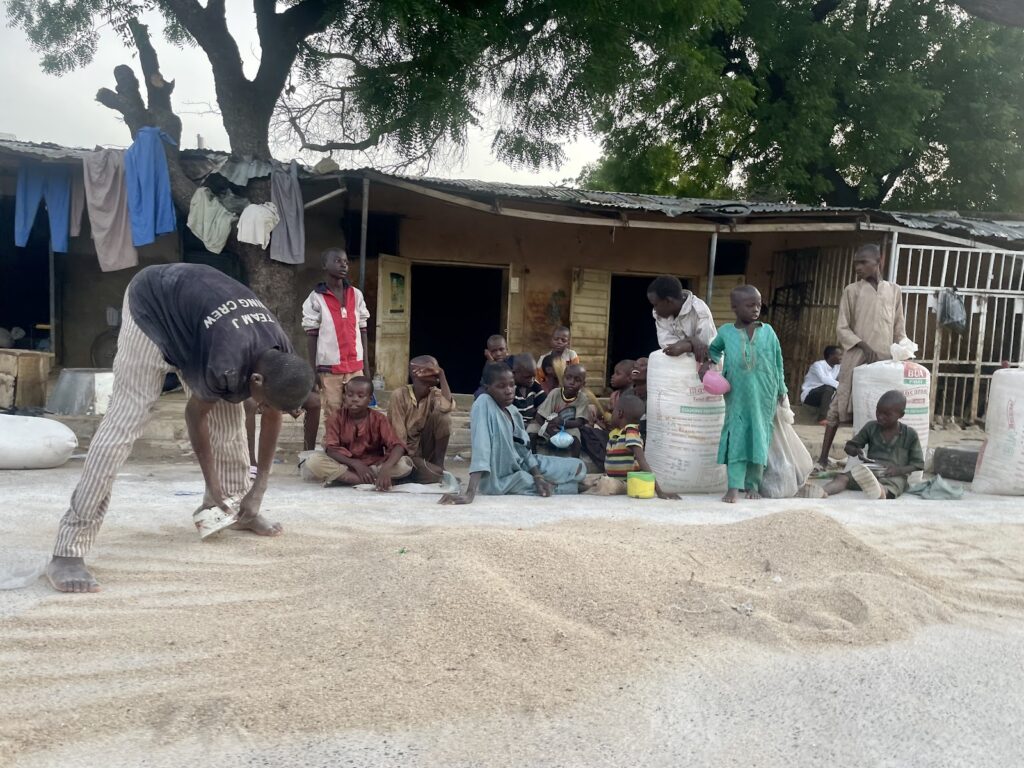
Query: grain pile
374, 628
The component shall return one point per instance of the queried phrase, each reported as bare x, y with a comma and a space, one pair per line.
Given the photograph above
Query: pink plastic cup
716, 383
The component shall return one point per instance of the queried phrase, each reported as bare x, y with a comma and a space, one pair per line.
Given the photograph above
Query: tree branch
210, 29
127, 100
158, 90
280, 37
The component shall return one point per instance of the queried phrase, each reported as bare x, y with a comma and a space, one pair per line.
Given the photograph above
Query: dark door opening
631, 331
454, 310
25, 278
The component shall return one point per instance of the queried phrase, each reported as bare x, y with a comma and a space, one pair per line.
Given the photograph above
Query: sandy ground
387, 630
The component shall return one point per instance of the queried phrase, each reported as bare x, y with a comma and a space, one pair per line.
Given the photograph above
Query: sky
62, 109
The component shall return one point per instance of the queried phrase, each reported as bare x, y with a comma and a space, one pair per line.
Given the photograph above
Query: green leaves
855, 102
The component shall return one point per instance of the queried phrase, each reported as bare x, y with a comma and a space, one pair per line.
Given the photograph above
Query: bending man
226, 346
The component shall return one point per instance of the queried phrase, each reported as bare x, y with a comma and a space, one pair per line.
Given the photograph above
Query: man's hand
214, 497
870, 356
488, 357
544, 488
552, 428
251, 503
318, 383
383, 480
361, 471
679, 348
700, 350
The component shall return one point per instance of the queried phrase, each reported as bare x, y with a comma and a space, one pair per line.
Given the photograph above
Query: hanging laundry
77, 204
209, 220
36, 182
149, 186
106, 201
288, 243
256, 223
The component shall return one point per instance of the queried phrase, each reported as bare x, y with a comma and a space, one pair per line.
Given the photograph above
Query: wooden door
394, 295
588, 321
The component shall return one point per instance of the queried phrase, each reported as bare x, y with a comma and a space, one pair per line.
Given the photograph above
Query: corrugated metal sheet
1006, 233
45, 151
668, 206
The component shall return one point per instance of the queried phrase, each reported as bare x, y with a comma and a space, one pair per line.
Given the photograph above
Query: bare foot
259, 525
731, 495
69, 574
755, 495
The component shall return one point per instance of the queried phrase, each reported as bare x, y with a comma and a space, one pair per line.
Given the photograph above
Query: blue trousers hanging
36, 182
150, 207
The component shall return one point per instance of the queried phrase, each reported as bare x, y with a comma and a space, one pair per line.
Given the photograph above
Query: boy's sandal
868, 482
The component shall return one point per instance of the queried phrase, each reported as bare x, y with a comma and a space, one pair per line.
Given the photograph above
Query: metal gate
805, 305
992, 285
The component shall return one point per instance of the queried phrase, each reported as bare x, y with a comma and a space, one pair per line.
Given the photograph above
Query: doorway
25, 283
631, 332
454, 310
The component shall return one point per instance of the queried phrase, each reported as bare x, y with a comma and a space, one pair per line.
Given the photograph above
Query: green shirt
904, 451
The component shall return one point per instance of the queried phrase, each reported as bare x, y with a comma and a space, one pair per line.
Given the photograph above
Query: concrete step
166, 435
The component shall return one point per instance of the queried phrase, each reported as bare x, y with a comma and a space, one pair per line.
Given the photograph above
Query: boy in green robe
753, 368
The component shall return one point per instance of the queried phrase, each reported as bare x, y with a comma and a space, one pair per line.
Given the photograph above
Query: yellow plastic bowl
640, 485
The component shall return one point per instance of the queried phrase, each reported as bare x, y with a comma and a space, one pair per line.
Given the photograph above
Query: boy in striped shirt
624, 452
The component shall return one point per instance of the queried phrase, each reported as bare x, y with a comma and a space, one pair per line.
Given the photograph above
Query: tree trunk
277, 286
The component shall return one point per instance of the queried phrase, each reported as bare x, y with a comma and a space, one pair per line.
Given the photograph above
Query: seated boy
821, 382
418, 413
892, 447
360, 446
595, 437
624, 452
567, 406
495, 351
529, 394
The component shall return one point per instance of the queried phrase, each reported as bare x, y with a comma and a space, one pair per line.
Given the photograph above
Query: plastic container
640, 485
716, 383
684, 426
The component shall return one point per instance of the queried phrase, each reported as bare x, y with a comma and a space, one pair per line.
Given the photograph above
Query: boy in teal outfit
753, 368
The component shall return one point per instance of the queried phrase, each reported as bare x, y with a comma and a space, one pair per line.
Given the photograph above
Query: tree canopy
407, 75
849, 102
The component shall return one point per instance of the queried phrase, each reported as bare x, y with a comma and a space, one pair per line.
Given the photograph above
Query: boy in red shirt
334, 317
360, 445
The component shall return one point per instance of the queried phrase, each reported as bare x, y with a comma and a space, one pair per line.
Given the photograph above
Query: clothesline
127, 197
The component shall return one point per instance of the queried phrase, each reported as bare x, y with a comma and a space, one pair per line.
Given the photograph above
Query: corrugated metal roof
44, 151
668, 206
1006, 233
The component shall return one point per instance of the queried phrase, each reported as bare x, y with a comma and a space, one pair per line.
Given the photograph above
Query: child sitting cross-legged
502, 462
360, 445
594, 437
567, 407
893, 453
624, 452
